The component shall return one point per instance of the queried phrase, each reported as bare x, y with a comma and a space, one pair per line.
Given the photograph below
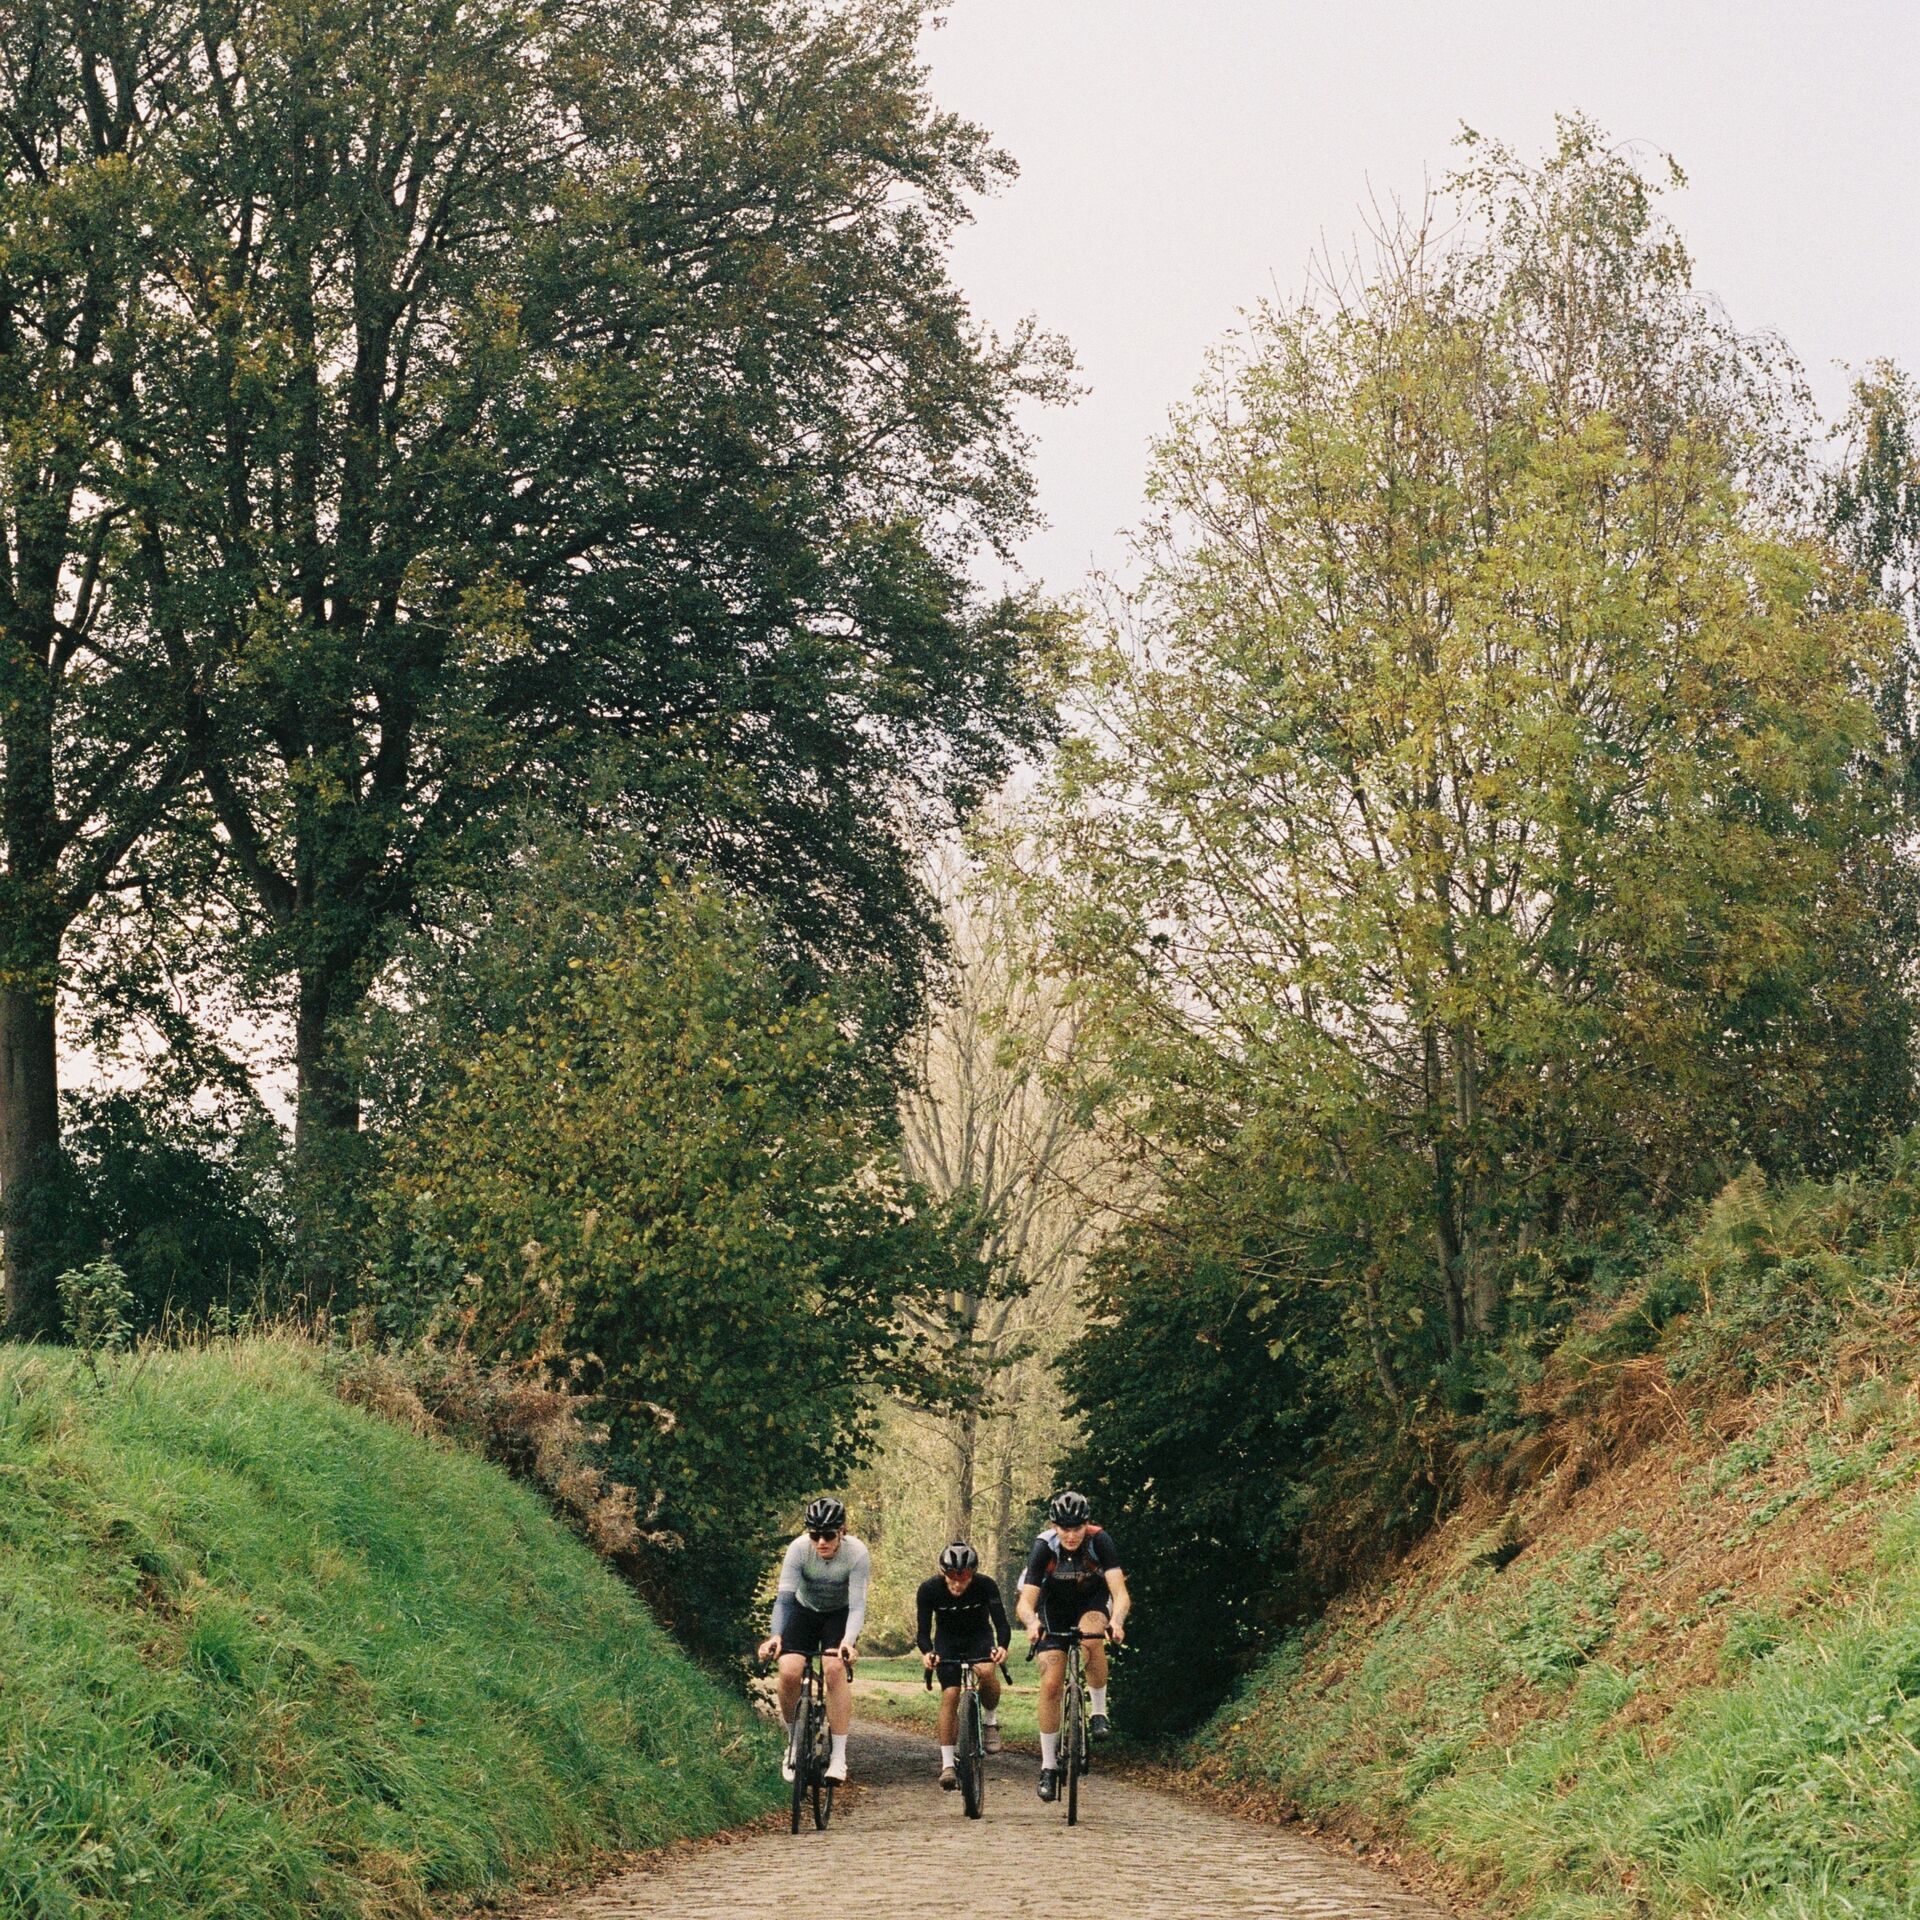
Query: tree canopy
1462, 844
671, 1182
500, 402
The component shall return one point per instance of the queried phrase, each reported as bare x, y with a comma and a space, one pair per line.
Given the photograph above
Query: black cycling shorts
952, 1659
810, 1632
1061, 1614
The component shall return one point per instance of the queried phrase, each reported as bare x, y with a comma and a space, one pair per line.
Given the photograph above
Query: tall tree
90, 105
573, 400
670, 1180
1873, 513
1462, 844
986, 1121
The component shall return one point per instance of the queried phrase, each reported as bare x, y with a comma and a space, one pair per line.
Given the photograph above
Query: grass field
892, 1689
267, 1655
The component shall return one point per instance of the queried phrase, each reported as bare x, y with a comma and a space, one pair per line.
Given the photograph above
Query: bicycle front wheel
1075, 1745
972, 1757
822, 1786
800, 1758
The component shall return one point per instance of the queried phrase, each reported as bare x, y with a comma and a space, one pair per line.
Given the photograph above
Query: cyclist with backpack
820, 1607
962, 1623
1073, 1584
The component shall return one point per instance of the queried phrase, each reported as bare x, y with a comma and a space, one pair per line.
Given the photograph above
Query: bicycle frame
808, 1747
1075, 1734
970, 1750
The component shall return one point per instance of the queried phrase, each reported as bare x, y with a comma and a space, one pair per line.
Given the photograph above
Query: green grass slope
264, 1654
1678, 1672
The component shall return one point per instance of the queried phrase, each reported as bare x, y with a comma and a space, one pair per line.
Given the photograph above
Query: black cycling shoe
1049, 1783
1099, 1726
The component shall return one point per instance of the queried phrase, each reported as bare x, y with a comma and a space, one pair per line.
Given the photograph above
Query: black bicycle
969, 1742
810, 1745
1076, 1743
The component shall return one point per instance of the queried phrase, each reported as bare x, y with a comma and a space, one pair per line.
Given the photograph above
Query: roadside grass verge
1678, 1672
270, 1655
891, 1689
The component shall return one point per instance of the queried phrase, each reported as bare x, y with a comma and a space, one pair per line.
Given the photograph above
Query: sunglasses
823, 1533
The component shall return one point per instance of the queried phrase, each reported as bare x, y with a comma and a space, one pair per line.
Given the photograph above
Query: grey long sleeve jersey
821, 1585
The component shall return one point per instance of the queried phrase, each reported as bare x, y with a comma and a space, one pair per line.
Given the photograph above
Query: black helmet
825, 1515
1069, 1509
958, 1558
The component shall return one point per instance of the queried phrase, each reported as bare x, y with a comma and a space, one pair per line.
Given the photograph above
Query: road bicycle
1075, 1733
969, 1742
810, 1745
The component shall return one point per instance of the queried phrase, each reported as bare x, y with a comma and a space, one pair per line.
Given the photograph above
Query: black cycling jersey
1071, 1583
966, 1625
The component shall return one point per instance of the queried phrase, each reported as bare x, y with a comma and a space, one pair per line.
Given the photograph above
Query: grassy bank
892, 1689
1677, 1672
267, 1655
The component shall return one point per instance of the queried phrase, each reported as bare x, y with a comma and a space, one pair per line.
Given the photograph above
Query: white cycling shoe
837, 1769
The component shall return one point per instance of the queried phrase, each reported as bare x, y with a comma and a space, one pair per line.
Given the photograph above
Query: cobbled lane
905, 1851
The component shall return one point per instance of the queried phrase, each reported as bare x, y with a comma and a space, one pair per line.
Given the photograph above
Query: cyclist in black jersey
962, 1623
1073, 1584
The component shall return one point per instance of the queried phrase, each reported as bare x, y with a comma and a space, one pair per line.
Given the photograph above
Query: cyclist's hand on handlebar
929, 1661
848, 1653
1116, 1633
999, 1656
770, 1647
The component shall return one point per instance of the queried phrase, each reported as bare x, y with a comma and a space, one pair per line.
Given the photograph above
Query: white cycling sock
990, 1716
1050, 1750
1098, 1696
839, 1746
946, 1756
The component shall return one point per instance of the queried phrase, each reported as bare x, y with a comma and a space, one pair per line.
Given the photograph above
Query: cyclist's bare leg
839, 1695
1096, 1650
1053, 1677
792, 1667
949, 1715
989, 1676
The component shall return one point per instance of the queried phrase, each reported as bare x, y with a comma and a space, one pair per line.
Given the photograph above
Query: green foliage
559, 400
1548, 1731
266, 1654
1200, 1452
1474, 848
1873, 514
189, 1204
1784, 1789
94, 1309
669, 1181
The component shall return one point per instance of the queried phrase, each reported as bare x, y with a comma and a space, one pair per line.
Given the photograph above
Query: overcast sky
1181, 158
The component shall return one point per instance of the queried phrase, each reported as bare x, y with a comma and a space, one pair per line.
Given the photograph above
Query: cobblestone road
905, 1851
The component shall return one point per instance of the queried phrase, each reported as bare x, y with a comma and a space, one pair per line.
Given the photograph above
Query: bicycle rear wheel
972, 1757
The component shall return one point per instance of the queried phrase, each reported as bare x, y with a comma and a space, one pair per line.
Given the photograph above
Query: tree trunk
326, 1099
1005, 1568
326, 1134
966, 1453
29, 1140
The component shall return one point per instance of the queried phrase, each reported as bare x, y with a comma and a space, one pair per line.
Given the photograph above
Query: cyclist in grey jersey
833, 1582
819, 1606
